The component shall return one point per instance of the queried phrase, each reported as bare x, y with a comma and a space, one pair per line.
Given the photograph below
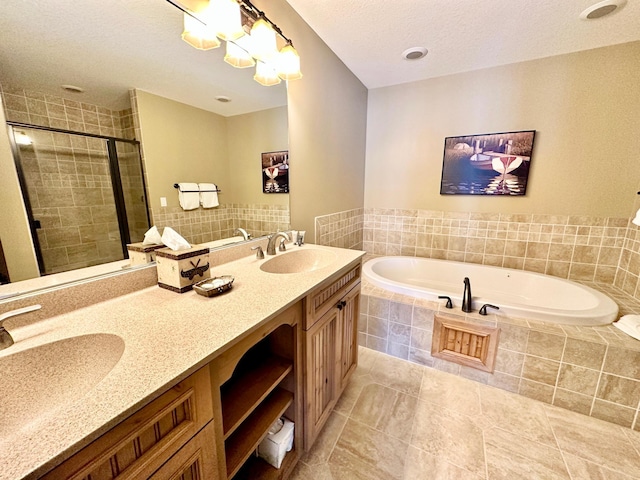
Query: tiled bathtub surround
205, 225
629, 268
590, 370
342, 229
575, 247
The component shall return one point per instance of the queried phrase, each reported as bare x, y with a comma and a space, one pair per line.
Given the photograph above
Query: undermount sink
36, 381
298, 261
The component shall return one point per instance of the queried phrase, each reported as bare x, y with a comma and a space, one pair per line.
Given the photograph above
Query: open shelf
242, 394
241, 444
256, 467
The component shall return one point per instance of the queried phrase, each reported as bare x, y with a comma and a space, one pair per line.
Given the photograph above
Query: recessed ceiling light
602, 9
72, 88
223, 99
414, 53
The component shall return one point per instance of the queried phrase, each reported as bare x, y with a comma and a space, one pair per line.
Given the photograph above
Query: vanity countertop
167, 336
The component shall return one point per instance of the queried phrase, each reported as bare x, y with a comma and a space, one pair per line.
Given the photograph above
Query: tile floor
399, 420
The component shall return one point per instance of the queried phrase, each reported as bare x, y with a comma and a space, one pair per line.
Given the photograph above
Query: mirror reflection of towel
208, 195
188, 196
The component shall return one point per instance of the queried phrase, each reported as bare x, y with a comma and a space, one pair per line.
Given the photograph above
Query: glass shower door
73, 199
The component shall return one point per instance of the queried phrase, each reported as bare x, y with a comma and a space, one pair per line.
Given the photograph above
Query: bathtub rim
602, 315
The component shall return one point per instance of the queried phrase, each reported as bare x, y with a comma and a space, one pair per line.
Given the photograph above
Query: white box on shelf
277, 443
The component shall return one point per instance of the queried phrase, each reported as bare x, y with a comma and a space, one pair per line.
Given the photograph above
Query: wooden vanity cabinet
137, 447
330, 347
256, 382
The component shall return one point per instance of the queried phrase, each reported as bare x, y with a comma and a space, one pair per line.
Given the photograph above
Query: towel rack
175, 185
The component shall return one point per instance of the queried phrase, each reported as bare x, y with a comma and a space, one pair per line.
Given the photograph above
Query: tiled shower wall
68, 177
205, 225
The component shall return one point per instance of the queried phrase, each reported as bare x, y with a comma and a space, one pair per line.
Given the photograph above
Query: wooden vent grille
325, 294
464, 343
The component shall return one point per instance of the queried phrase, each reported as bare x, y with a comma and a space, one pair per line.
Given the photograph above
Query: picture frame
493, 164
275, 172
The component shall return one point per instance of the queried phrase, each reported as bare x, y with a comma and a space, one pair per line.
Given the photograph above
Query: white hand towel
208, 195
188, 195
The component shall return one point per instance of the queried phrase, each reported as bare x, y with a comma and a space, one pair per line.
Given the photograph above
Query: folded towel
208, 195
188, 195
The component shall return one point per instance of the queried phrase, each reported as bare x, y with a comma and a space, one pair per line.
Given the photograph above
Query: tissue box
277, 443
178, 270
141, 254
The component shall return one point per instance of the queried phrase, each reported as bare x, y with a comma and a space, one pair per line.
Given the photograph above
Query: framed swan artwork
487, 164
275, 172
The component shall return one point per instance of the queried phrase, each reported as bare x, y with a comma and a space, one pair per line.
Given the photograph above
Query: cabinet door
348, 337
320, 385
195, 461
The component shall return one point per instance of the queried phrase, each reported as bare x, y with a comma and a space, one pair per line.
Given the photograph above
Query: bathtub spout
466, 295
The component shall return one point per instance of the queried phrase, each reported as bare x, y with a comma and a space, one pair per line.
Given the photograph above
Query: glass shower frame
118, 151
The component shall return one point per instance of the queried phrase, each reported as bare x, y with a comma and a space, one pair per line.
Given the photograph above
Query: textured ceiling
110, 46
461, 35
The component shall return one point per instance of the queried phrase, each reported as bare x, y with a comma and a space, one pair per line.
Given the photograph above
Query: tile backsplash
583, 248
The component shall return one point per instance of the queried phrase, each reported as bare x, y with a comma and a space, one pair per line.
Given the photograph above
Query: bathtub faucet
466, 295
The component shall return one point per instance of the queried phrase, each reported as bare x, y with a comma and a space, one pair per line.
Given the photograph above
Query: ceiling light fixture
252, 39
602, 9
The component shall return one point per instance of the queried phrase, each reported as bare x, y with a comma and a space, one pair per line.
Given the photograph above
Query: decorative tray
210, 287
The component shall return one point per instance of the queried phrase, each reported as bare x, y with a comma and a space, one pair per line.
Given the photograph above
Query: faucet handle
483, 308
449, 302
259, 252
282, 246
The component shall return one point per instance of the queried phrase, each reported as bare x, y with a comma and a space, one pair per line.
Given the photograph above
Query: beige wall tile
578, 379
583, 353
623, 391
540, 370
623, 362
513, 337
573, 401
535, 390
613, 413
545, 345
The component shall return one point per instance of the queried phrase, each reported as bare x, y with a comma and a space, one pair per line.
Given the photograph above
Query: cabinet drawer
140, 444
321, 300
195, 461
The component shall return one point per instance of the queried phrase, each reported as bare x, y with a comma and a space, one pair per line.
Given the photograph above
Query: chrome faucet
466, 295
271, 246
6, 340
243, 232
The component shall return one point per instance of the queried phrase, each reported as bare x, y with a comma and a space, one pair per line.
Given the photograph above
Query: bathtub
518, 293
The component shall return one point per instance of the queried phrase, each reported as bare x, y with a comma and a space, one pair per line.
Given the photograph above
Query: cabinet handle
341, 305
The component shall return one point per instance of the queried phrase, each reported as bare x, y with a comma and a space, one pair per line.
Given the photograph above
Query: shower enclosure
84, 195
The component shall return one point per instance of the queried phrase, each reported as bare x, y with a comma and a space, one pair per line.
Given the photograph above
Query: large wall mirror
196, 118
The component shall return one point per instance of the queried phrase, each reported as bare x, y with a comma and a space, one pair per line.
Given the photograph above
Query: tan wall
180, 144
14, 228
249, 135
327, 126
584, 107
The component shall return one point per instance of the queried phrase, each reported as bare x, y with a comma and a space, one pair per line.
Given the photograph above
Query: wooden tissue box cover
179, 270
141, 254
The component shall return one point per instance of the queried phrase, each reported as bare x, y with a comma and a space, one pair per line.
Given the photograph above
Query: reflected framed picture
487, 164
275, 172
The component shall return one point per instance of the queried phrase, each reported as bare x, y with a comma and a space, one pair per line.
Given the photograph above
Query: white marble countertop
166, 335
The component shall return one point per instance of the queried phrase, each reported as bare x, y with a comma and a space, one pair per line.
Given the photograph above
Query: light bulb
238, 56
266, 75
288, 64
198, 34
226, 20
264, 41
